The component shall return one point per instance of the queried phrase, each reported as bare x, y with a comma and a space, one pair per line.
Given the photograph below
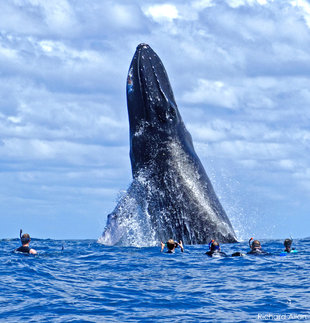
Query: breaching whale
171, 195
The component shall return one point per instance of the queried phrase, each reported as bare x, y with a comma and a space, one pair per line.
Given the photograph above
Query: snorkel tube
250, 244
210, 244
23, 239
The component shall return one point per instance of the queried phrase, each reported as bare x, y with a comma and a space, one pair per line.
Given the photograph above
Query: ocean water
89, 282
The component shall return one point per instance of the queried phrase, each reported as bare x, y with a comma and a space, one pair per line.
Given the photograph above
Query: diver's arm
162, 247
32, 251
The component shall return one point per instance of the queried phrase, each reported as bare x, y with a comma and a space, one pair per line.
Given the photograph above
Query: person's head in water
214, 246
25, 239
215, 250
256, 245
256, 248
171, 245
288, 244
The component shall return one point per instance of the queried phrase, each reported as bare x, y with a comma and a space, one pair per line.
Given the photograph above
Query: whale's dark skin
171, 191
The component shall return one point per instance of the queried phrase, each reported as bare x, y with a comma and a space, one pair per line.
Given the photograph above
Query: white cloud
214, 93
8, 53
59, 15
162, 12
202, 133
62, 152
238, 3
122, 14
202, 4
287, 164
305, 7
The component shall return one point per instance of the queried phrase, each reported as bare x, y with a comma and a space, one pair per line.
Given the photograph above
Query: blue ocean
84, 281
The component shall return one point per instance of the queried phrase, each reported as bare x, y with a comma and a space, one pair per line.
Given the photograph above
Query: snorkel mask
255, 244
288, 243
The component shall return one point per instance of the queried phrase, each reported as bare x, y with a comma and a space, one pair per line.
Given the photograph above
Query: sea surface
89, 282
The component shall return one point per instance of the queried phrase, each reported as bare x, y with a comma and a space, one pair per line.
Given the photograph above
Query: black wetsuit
216, 253
257, 252
237, 254
23, 249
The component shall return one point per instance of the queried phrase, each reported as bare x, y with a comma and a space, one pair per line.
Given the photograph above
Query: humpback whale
171, 195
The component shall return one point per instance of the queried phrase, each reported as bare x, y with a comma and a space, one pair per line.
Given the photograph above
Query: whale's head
149, 94
152, 110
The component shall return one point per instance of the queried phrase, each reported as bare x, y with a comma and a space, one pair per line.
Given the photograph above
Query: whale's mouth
149, 94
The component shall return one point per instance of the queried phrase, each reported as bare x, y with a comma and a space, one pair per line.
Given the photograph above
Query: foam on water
131, 224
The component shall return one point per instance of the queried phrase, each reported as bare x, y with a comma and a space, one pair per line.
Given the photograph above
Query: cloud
202, 4
304, 6
212, 92
162, 12
238, 3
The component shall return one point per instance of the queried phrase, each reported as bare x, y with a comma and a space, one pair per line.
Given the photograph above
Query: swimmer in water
171, 245
288, 246
256, 248
215, 250
25, 240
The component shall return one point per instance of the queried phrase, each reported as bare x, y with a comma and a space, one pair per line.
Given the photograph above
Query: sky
240, 74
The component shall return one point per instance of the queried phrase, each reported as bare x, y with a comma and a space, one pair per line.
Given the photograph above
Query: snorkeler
215, 250
256, 248
288, 247
25, 240
171, 245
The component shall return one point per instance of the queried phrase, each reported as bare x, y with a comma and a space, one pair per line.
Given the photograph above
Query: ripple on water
90, 282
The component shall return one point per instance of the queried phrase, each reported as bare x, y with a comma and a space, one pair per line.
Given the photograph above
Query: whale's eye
171, 112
